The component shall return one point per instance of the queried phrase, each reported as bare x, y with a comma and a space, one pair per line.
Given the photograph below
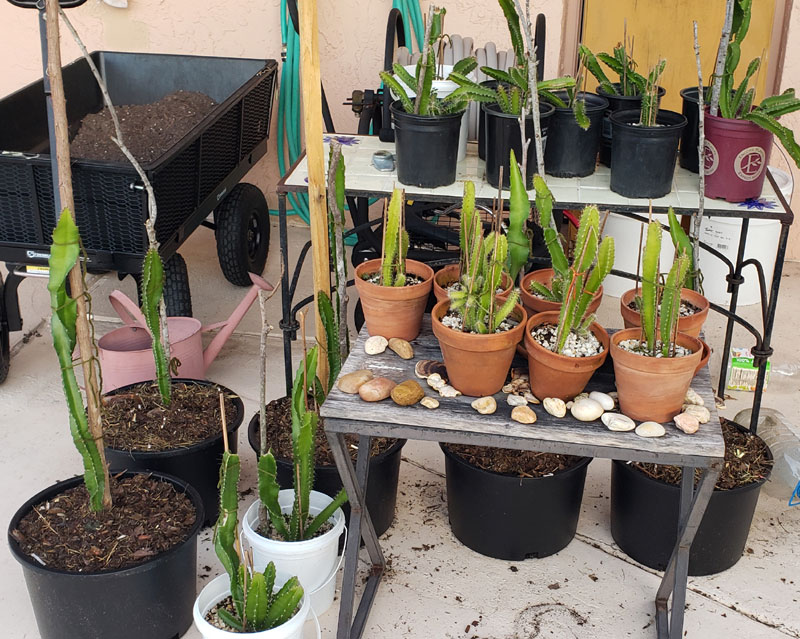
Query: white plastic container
314, 561
220, 587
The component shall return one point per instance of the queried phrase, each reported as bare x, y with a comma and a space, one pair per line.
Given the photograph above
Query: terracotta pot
477, 365
450, 273
555, 375
534, 304
653, 388
706, 355
691, 325
394, 311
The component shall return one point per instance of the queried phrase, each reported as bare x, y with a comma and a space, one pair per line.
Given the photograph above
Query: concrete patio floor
435, 586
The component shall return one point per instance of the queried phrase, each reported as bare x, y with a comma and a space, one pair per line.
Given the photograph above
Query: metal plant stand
346, 414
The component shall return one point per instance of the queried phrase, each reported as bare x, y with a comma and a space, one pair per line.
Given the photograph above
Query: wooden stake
315, 157
224, 421
84, 330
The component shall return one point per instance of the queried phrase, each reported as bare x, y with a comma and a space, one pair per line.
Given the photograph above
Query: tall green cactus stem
336, 208
671, 304
519, 242
469, 220
683, 246
64, 254
257, 607
649, 311
152, 288
544, 205
395, 242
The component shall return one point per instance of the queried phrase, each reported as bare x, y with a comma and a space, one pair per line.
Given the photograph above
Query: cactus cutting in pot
566, 346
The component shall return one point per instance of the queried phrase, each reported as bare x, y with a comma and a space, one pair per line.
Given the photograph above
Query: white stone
606, 401
555, 406
436, 382
448, 391
687, 422
516, 400
429, 402
375, 345
580, 396
531, 398
586, 410
650, 429
523, 415
693, 398
618, 422
701, 412
485, 405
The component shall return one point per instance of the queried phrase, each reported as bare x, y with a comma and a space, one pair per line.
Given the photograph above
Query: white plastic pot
220, 587
314, 561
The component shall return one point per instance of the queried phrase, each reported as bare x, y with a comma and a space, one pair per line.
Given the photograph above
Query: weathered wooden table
457, 423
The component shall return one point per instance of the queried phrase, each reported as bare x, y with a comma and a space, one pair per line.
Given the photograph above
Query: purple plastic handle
34, 4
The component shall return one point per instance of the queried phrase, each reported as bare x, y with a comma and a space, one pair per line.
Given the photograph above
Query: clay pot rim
687, 295
420, 269
645, 363
731, 123
487, 342
525, 289
547, 317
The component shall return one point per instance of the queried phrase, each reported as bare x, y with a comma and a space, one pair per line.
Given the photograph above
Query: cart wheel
242, 233
177, 296
5, 351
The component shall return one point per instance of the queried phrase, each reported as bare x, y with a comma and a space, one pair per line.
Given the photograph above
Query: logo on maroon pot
749, 164
710, 158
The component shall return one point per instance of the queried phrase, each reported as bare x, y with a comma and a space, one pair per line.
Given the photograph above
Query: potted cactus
654, 364
565, 347
246, 601
644, 144
394, 290
427, 127
477, 329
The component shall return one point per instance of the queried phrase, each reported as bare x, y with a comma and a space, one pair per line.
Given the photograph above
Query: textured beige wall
791, 79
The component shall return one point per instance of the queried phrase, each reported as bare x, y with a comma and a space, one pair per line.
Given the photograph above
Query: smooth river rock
376, 389
351, 382
618, 422
485, 405
688, 423
606, 401
586, 410
650, 429
375, 345
523, 415
407, 393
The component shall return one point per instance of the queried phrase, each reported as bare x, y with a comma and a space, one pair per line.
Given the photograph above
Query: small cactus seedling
574, 284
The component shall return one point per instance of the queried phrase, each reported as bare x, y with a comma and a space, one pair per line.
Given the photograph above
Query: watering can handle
128, 311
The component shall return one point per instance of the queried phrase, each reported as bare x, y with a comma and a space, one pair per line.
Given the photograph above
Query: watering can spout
228, 326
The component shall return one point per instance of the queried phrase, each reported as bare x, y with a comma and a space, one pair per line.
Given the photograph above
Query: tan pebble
448, 391
586, 410
519, 373
351, 382
516, 400
429, 402
485, 405
427, 367
569, 405
401, 347
523, 415
650, 429
618, 422
508, 388
693, 398
531, 398
605, 400
580, 396
407, 393
701, 412
613, 395
520, 385
376, 389
556, 407
687, 422
375, 345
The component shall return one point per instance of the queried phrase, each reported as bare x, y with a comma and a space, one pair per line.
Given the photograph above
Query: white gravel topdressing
575, 346
636, 346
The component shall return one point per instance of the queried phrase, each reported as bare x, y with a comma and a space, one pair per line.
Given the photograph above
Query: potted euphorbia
565, 347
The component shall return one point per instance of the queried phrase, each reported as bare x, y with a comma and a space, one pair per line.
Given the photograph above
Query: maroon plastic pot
736, 156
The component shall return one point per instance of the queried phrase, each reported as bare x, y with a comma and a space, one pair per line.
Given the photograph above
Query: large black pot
384, 474
152, 600
197, 465
426, 147
643, 157
571, 151
489, 84
512, 518
503, 135
617, 102
690, 138
644, 521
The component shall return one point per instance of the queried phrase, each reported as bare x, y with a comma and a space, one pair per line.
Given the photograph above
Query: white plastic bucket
314, 561
625, 232
762, 243
220, 587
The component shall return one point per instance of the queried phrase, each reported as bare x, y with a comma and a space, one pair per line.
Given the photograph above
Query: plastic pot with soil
448, 276
477, 364
690, 136
384, 463
129, 592
184, 440
553, 374
503, 136
645, 499
572, 151
426, 147
693, 313
535, 304
511, 504
618, 102
643, 157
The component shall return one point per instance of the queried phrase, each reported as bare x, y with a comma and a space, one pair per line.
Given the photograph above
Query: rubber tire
5, 339
242, 233
177, 296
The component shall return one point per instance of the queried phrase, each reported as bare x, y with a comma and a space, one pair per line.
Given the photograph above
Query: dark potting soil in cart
149, 130
148, 517
519, 463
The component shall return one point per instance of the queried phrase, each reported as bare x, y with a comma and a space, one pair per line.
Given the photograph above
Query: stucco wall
791, 79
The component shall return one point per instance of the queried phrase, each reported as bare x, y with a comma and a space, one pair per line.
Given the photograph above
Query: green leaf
397, 90
783, 134
331, 337
268, 490
552, 98
465, 66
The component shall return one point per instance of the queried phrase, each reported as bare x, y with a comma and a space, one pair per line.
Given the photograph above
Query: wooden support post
84, 332
315, 156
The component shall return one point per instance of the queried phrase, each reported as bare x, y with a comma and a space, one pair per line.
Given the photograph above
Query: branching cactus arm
284, 603
391, 235
225, 530
652, 250
152, 287
268, 491
519, 243
683, 245
671, 303
544, 204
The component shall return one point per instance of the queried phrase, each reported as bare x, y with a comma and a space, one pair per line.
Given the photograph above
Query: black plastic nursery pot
489, 84
644, 521
384, 474
571, 151
426, 147
618, 102
152, 600
503, 135
198, 465
509, 517
690, 136
643, 157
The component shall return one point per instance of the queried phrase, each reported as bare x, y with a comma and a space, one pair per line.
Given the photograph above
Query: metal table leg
690, 514
361, 527
286, 300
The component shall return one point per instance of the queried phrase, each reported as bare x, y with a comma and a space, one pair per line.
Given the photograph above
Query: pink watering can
125, 353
